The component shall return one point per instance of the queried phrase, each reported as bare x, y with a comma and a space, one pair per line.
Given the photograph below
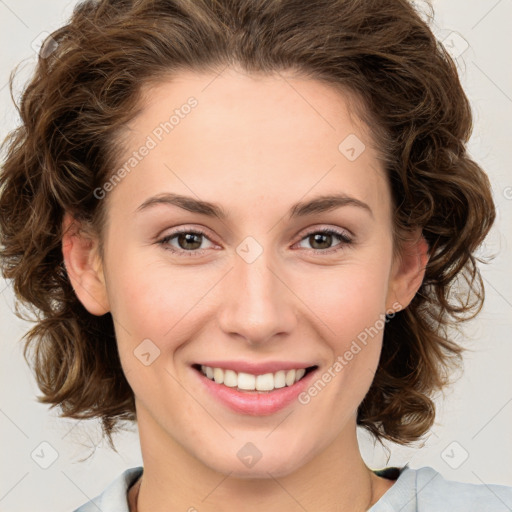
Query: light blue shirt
415, 490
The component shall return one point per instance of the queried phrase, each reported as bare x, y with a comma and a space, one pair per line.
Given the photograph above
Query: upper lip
256, 368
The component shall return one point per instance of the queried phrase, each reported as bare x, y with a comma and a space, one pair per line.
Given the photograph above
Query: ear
83, 265
408, 270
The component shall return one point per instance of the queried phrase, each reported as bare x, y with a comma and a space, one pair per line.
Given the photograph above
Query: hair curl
89, 86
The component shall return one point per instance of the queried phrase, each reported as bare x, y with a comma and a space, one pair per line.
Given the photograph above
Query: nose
257, 305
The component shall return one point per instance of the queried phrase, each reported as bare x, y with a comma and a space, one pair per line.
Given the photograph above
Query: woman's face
254, 287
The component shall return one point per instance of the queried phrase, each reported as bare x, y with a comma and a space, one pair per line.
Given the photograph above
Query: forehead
275, 137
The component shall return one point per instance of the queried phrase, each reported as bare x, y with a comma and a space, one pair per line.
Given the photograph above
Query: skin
255, 146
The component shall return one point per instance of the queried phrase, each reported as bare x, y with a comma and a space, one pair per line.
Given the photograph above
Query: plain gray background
471, 440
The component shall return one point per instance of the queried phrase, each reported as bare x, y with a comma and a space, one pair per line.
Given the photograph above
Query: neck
335, 479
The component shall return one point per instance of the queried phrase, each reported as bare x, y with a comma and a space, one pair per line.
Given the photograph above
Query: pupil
318, 238
187, 239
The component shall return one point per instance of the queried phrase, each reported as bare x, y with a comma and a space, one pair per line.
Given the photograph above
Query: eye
323, 239
186, 241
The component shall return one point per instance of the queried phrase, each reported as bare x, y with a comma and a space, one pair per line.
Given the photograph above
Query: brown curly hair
87, 86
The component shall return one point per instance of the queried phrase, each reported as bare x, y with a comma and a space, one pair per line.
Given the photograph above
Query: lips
261, 389
248, 382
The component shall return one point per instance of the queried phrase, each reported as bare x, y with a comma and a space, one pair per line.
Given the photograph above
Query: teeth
246, 381
249, 382
290, 377
218, 375
265, 382
279, 379
230, 378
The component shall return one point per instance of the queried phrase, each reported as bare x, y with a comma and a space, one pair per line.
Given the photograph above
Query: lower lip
256, 403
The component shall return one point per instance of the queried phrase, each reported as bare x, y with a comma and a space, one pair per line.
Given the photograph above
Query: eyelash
342, 235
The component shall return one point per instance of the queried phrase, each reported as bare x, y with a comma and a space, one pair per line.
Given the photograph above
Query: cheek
349, 299
147, 303
148, 297
354, 341
351, 304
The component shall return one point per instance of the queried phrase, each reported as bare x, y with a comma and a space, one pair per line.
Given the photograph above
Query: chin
276, 464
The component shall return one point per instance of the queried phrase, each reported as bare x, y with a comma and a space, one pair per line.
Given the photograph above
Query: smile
256, 390
248, 382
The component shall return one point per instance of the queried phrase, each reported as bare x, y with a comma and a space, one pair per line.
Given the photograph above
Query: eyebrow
319, 204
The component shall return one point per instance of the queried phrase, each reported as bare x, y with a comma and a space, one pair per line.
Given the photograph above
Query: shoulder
114, 497
434, 489
426, 489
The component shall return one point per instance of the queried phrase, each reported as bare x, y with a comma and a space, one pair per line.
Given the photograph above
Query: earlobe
83, 266
409, 270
